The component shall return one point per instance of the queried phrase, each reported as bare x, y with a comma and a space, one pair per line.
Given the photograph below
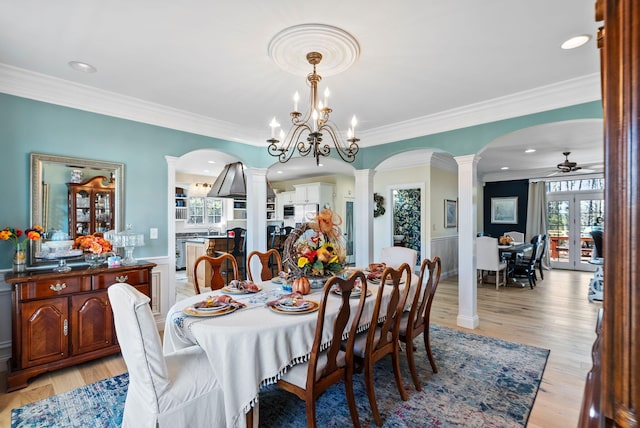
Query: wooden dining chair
382, 339
213, 269
416, 320
323, 369
268, 260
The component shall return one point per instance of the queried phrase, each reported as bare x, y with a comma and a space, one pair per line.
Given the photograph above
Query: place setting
355, 293
213, 306
241, 287
292, 304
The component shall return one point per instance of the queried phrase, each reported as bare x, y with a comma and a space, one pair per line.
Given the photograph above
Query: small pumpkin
301, 285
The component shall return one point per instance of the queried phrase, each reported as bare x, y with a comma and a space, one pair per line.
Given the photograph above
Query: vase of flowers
19, 239
316, 249
95, 248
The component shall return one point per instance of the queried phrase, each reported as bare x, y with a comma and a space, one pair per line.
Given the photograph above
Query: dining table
253, 346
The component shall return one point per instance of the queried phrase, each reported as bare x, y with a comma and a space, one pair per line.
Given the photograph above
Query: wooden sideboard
62, 319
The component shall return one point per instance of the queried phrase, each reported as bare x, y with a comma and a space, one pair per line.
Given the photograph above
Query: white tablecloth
252, 346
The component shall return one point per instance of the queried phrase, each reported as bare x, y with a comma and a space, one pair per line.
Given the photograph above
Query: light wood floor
555, 315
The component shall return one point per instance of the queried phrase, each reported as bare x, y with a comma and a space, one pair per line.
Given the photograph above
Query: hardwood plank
556, 315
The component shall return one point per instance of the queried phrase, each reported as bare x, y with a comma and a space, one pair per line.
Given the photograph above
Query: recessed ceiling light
211, 161
206, 170
320, 164
530, 150
82, 66
504, 167
575, 41
278, 172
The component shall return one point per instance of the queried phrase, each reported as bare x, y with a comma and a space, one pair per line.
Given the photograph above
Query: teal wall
31, 126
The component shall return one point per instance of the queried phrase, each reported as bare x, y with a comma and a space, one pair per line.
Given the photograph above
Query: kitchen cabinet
315, 193
181, 204
91, 206
206, 246
63, 319
271, 209
193, 251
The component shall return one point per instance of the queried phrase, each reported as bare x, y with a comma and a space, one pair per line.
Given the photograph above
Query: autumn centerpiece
19, 239
94, 247
315, 249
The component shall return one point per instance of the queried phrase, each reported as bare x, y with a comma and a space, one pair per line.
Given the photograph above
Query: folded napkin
221, 300
377, 267
245, 286
291, 299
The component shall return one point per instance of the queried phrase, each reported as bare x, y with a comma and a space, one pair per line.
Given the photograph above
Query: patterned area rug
481, 382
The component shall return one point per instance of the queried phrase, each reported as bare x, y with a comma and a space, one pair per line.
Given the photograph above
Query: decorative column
169, 298
467, 215
363, 216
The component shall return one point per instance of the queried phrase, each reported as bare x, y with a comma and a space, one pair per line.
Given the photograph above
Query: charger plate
191, 311
313, 306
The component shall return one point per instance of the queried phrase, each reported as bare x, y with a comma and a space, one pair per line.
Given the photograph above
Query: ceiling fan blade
552, 174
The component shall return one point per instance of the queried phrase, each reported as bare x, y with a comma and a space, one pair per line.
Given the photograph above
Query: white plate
216, 308
302, 307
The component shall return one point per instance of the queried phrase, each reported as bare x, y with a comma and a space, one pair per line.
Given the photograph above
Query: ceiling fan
568, 166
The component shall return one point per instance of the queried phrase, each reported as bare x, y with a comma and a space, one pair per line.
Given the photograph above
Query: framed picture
450, 213
504, 210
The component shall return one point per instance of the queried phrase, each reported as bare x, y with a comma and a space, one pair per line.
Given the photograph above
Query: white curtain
537, 222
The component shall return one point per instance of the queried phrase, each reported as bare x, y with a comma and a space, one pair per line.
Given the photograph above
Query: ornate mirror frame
39, 161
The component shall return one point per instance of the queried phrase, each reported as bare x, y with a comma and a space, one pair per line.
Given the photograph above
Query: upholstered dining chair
213, 271
416, 321
268, 260
517, 236
382, 339
173, 390
395, 256
488, 259
325, 368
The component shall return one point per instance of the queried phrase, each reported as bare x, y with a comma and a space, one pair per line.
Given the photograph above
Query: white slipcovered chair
488, 259
517, 236
173, 390
394, 257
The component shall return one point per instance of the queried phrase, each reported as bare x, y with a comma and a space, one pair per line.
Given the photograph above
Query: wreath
379, 208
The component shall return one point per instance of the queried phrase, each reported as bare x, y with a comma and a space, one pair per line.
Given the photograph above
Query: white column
363, 216
256, 235
467, 214
168, 297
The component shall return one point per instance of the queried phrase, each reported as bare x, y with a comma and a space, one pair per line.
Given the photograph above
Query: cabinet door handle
58, 287
65, 328
122, 278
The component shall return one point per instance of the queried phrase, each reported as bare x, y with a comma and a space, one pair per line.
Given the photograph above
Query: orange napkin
290, 299
221, 300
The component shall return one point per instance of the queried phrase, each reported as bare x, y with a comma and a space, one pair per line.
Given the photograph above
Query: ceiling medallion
339, 49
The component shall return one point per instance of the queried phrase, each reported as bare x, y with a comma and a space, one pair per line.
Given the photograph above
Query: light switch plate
153, 233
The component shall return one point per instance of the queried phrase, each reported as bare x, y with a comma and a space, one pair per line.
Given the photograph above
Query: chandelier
314, 125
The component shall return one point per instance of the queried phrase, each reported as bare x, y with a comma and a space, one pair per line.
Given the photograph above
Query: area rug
481, 382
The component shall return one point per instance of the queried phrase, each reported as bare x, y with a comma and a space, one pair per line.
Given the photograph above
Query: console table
62, 319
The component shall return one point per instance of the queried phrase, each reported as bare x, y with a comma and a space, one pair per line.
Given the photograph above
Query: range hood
231, 183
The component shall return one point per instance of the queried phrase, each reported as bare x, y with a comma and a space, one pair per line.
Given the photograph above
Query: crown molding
40, 87
561, 94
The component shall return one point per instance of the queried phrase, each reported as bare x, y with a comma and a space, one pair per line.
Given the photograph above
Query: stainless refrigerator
304, 212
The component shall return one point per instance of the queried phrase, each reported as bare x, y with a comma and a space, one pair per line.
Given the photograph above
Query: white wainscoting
446, 248
159, 304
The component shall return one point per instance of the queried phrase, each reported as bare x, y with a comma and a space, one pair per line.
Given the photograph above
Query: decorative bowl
94, 260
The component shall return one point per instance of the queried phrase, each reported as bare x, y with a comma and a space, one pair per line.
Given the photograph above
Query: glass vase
20, 261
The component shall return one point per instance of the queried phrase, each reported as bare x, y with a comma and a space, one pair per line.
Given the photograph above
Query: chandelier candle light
313, 124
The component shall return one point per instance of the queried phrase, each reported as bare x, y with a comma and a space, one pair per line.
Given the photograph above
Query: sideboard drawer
53, 287
132, 277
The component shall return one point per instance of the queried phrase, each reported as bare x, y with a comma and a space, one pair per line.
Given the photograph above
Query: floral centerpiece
19, 239
95, 248
316, 248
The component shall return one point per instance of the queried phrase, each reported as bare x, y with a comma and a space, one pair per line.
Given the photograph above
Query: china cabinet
61, 319
91, 206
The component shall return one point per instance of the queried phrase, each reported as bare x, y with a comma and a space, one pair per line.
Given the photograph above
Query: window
203, 210
575, 185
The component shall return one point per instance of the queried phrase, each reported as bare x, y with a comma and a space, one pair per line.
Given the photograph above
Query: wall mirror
50, 178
